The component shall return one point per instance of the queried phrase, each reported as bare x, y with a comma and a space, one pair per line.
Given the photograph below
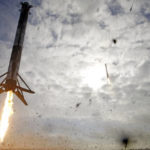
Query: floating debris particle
114, 41
78, 104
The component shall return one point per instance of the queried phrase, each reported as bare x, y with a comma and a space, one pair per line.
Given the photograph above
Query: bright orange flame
7, 112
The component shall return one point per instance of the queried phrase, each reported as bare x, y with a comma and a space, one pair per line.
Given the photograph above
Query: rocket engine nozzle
14, 86
10, 85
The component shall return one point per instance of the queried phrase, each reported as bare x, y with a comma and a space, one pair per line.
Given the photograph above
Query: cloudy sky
66, 47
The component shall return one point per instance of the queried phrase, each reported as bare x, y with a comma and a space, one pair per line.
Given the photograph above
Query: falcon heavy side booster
11, 82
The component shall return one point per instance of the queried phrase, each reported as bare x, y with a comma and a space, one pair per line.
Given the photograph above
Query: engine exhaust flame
108, 81
6, 113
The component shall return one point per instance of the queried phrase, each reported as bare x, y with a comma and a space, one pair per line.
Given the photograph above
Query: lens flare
7, 112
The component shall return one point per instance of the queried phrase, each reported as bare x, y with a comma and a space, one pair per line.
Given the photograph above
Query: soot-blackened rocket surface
11, 82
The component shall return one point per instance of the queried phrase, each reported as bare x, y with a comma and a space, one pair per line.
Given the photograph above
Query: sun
94, 76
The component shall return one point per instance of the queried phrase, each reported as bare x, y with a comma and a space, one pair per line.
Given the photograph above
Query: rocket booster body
18, 45
11, 81
106, 71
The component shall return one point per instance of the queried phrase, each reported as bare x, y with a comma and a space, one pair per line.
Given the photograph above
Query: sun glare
94, 76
